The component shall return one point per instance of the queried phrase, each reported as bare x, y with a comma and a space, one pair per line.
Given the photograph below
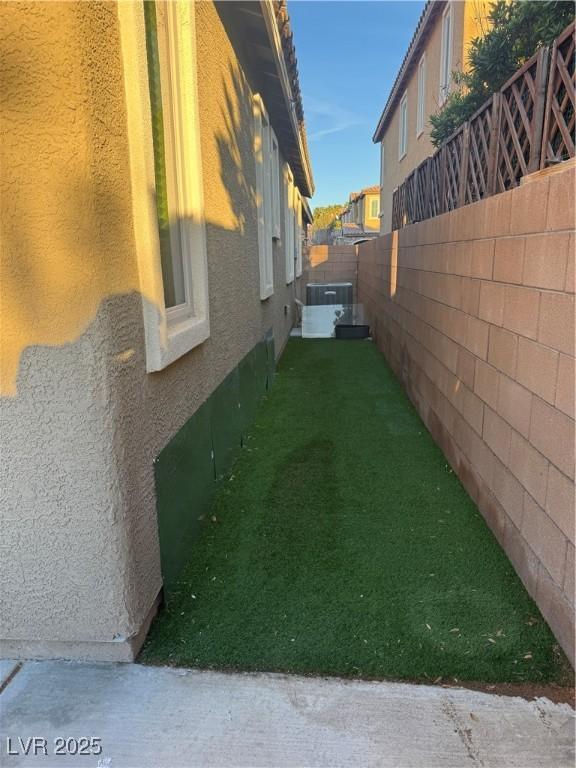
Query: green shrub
516, 31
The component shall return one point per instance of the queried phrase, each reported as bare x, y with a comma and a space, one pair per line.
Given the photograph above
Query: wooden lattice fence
482, 138
421, 191
521, 115
452, 168
398, 208
558, 138
529, 124
435, 174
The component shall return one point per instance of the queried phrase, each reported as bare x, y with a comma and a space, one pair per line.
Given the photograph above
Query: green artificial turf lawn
343, 544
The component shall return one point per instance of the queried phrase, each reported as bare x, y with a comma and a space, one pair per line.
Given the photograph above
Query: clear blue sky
348, 56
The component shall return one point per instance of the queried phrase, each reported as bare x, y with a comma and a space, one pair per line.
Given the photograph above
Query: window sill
402, 157
180, 339
419, 133
266, 295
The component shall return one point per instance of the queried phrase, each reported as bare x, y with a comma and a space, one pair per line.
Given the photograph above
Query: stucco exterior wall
82, 420
359, 213
370, 222
469, 20
474, 310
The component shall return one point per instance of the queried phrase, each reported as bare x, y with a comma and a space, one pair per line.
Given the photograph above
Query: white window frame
275, 166
420, 119
264, 196
446, 54
298, 230
289, 223
376, 201
169, 332
403, 127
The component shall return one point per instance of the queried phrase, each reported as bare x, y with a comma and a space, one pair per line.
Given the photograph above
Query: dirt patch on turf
529, 691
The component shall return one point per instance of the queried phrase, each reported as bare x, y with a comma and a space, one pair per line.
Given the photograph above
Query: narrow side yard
343, 544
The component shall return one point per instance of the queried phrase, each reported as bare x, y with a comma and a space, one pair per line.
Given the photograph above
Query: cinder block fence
331, 264
474, 310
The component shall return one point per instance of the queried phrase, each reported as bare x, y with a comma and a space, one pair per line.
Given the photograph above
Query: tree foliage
516, 30
325, 216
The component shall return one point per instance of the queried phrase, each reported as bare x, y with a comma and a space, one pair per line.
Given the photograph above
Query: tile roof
289, 51
373, 190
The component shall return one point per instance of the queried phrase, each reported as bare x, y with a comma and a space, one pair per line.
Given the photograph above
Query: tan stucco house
153, 187
437, 49
363, 209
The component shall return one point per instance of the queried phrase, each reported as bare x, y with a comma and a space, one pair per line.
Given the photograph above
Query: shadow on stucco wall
66, 210
82, 420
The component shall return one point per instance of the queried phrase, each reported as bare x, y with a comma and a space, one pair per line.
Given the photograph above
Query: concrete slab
172, 718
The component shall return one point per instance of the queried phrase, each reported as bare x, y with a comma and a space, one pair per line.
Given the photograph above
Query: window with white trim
289, 223
403, 128
298, 230
446, 54
178, 319
264, 196
275, 169
374, 208
421, 96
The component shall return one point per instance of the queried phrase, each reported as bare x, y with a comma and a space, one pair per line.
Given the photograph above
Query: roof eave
268, 13
431, 10
308, 215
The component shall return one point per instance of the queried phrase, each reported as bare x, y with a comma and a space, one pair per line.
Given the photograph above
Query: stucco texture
469, 20
82, 421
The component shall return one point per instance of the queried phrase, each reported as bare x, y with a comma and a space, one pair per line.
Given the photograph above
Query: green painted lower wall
189, 468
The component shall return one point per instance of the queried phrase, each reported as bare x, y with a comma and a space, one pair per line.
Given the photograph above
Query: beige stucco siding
469, 19
370, 222
82, 420
66, 252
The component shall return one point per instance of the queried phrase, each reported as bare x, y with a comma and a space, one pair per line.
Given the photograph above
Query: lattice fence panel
559, 136
421, 191
481, 140
520, 129
410, 193
520, 132
451, 171
435, 198
398, 209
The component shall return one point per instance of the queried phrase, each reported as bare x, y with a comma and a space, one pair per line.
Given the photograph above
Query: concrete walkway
167, 718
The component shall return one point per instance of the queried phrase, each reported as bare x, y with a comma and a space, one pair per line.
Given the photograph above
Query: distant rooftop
373, 190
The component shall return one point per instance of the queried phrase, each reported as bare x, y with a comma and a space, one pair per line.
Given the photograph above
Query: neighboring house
154, 184
348, 215
438, 48
360, 219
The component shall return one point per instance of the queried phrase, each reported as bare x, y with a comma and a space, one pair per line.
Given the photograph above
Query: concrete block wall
474, 310
331, 264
